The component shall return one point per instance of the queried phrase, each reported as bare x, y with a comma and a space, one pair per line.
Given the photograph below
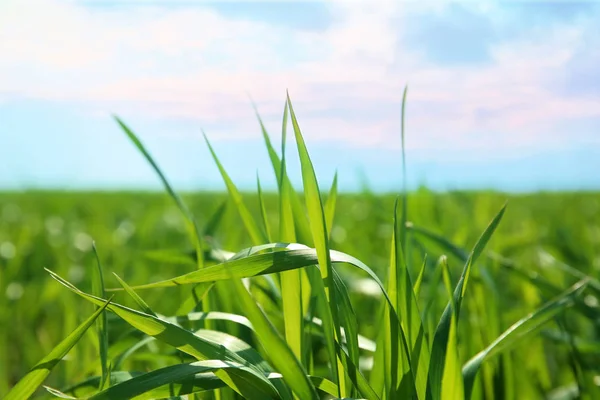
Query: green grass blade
280, 354
452, 383
402, 231
330, 204
178, 201
440, 340
101, 322
263, 211
301, 222
256, 235
30, 382
519, 330
318, 227
215, 220
408, 309
270, 149
291, 281
165, 376
140, 302
419, 281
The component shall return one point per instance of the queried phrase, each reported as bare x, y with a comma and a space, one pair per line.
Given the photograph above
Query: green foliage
287, 316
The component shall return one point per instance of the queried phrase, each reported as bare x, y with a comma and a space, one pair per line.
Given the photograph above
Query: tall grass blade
291, 281
263, 211
178, 201
101, 322
440, 340
452, 383
301, 222
330, 204
257, 235
318, 227
140, 302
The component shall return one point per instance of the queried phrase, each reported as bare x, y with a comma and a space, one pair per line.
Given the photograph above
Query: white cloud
197, 64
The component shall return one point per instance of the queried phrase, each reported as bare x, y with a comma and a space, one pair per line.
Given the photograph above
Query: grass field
327, 331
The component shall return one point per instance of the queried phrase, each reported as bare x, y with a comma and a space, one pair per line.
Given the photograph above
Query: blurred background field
55, 230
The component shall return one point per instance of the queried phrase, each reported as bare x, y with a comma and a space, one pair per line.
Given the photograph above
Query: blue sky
502, 94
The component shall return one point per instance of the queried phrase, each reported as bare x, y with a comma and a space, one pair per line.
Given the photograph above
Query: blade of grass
452, 383
330, 204
257, 236
318, 228
291, 281
180, 204
30, 382
440, 340
101, 322
263, 210
301, 222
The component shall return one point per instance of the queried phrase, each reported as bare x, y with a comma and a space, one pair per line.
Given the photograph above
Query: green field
539, 268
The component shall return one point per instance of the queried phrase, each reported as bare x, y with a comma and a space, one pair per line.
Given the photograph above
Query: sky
501, 94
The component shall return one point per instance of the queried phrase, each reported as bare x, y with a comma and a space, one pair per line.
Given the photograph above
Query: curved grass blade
330, 204
291, 281
263, 210
440, 340
519, 330
165, 376
140, 302
187, 342
452, 383
318, 228
257, 236
30, 382
180, 204
301, 223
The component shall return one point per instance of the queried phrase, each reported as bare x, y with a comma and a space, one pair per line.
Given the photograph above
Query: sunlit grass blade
192, 224
349, 325
318, 228
256, 234
215, 220
280, 354
263, 210
101, 322
291, 281
140, 302
440, 340
512, 336
186, 342
419, 280
330, 204
441, 241
199, 293
452, 383
402, 228
30, 382
301, 222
